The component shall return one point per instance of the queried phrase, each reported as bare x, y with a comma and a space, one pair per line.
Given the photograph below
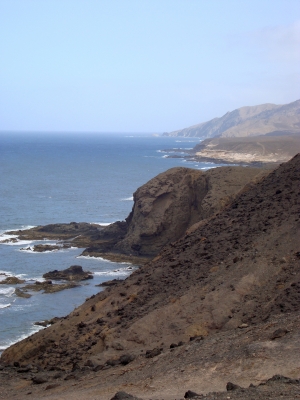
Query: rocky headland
259, 150
263, 135
164, 209
220, 304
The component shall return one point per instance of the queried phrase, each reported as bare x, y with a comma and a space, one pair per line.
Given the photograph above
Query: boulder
124, 396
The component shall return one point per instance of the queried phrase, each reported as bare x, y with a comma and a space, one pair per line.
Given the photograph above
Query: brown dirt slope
232, 282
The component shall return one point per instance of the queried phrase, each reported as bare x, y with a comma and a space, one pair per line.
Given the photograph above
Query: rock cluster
73, 273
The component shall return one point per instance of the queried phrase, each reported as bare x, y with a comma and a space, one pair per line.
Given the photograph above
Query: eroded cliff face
239, 268
166, 206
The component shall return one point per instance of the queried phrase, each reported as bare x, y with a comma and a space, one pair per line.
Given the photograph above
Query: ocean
59, 178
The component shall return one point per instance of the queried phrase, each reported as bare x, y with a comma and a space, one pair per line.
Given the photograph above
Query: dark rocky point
73, 273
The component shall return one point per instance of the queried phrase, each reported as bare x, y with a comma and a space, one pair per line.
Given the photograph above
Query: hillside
249, 121
248, 150
228, 290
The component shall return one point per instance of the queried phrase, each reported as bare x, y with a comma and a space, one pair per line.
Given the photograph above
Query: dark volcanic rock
153, 353
232, 386
73, 273
124, 396
48, 287
49, 247
21, 293
113, 282
279, 333
189, 394
11, 280
39, 379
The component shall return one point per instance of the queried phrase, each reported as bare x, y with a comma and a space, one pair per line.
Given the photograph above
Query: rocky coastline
164, 209
215, 300
258, 151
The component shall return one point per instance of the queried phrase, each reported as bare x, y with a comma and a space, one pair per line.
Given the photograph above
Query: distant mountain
249, 121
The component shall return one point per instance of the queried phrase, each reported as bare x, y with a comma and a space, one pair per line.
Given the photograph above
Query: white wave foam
7, 292
94, 258
35, 278
5, 239
127, 199
30, 250
116, 272
5, 305
188, 141
20, 276
23, 228
5, 273
102, 223
8, 343
11, 240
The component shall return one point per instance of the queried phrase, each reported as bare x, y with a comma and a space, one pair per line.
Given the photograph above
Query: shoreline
17, 239
228, 161
254, 151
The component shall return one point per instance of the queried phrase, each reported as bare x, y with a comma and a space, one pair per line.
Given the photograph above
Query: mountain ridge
248, 121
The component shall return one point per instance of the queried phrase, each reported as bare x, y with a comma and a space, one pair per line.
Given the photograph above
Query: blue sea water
54, 178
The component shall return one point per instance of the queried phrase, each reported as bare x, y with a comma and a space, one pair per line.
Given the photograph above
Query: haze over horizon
146, 66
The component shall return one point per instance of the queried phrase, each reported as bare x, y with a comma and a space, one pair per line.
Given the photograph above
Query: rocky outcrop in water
73, 273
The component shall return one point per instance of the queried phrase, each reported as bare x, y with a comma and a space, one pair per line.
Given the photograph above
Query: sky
143, 65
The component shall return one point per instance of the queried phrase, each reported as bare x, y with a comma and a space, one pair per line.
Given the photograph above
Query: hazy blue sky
144, 65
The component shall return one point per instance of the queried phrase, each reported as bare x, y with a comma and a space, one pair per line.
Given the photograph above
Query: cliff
221, 301
166, 206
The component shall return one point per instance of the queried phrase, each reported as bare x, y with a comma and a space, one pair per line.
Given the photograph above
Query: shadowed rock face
166, 206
